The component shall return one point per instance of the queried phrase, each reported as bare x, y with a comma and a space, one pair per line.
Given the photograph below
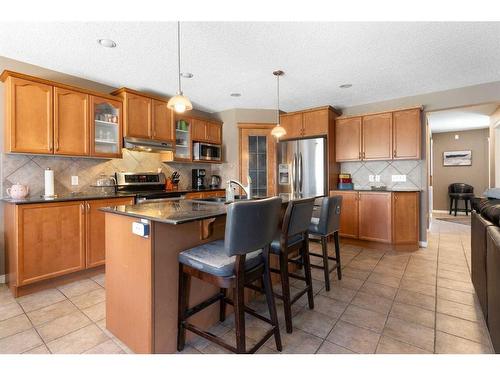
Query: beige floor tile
189, 350
416, 299
14, 325
42, 349
199, 343
62, 326
89, 299
299, 342
412, 286
381, 290
10, 310
6, 296
454, 275
364, 318
107, 347
20, 342
347, 282
330, 348
420, 278
452, 267
328, 306
363, 265
355, 273
372, 302
413, 314
41, 299
230, 338
51, 312
459, 310
100, 279
449, 344
96, 312
457, 296
456, 285
254, 327
79, 287
384, 279
339, 293
388, 345
411, 333
390, 269
78, 341
314, 323
354, 338
463, 328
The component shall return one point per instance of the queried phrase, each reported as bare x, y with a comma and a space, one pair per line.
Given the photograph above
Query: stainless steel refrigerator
302, 168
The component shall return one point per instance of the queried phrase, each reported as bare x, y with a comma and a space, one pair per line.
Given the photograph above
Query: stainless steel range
146, 185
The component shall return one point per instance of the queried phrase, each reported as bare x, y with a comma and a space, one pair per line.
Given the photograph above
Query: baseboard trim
2, 279
422, 243
441, 211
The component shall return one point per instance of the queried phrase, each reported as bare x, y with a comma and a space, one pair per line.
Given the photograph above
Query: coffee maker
198, 178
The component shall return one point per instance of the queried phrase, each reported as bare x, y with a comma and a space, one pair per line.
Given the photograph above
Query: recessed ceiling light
186, 75
108, 43
346, 86
235, 94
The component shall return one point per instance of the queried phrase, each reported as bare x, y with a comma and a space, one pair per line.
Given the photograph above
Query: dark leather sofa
485, 262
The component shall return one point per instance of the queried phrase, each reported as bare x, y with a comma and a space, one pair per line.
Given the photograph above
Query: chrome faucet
247, 189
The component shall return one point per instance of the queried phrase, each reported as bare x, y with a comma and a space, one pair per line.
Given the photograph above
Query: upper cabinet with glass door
183, 138
106, 129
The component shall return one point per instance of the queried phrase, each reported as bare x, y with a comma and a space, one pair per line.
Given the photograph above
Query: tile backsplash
29, 170
361, 170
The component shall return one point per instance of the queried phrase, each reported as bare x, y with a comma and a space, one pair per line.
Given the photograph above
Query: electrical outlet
74, 180
377, 178
371, 178
398, 178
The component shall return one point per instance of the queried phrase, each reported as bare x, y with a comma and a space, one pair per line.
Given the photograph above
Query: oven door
206, 151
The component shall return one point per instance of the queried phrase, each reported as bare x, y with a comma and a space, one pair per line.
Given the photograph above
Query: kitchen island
142, 270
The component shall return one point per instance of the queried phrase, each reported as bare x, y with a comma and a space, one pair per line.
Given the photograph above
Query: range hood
147, 145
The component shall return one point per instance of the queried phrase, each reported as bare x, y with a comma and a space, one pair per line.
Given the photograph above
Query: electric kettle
215, 181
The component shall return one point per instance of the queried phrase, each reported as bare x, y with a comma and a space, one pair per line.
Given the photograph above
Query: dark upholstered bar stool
323, 226
292, 238
233, 263
460, 191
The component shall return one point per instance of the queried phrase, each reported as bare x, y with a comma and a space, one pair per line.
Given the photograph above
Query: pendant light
179, 103
278, 131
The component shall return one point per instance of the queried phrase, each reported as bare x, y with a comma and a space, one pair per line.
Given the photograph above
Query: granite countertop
88, 195
171, 212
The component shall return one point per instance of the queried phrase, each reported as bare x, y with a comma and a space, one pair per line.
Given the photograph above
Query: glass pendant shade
278, 131
180, 103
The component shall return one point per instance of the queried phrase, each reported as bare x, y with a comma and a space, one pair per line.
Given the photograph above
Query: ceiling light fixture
179, 103
346, 86
278, 131
108, 43
235, 94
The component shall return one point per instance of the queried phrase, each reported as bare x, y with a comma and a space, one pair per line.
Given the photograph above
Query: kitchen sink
219, 199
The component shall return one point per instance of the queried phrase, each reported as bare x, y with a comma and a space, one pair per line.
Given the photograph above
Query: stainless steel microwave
206, 151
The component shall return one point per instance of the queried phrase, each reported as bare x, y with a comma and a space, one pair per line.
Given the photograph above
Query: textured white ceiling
475, 117
381, 60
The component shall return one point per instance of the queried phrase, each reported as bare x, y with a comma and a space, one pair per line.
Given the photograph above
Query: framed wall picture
457, 158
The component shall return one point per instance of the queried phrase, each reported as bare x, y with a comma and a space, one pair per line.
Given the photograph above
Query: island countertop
171, 212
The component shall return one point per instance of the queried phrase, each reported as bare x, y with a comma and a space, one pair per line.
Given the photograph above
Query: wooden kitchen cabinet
292, 123
377, 137
348, 139
199, 130
375, 216
137, 115
29, 116
95, 228
349, 213
205, 194
47, 240
206, 131
50, 240
405, 218
71, 122
214, 132
407, 134
315, 123
162, 121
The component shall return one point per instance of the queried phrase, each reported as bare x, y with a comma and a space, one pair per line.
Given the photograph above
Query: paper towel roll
49, 182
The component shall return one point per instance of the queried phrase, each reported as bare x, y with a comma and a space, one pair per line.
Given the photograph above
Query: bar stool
323, 226
233, 263
292, 238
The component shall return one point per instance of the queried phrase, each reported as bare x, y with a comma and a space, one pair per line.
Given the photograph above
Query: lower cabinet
387, 217
95, 253
205, 194
46, 240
